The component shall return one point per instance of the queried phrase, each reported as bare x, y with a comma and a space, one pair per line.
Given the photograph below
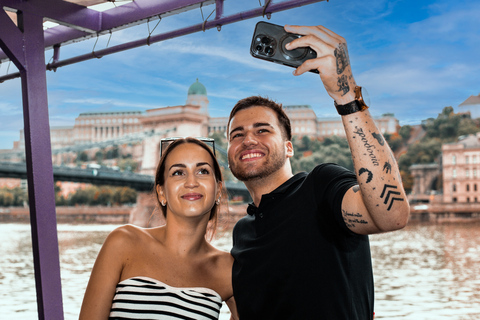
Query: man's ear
289, 149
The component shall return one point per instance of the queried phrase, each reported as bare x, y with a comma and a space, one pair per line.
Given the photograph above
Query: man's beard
271, 165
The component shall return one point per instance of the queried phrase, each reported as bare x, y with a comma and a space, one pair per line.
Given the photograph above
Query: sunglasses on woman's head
165, 142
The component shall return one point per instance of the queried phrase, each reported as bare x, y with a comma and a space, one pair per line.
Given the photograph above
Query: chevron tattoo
388, 193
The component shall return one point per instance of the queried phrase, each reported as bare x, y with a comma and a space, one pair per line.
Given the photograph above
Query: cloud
111, 102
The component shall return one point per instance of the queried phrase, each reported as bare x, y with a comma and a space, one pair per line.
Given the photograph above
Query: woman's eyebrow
181, 165
203, 163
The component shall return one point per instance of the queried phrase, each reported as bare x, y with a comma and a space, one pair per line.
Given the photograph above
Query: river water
421, 272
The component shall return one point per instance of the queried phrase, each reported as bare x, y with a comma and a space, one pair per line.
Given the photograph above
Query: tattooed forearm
352, 219
369, 174
389, 193
370, 148
341, 56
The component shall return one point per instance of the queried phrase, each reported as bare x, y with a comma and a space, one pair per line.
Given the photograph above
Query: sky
413, 58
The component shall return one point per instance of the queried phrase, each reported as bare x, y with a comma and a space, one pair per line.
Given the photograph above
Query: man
302, 252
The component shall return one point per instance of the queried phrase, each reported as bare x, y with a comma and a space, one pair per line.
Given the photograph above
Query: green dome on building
197, 88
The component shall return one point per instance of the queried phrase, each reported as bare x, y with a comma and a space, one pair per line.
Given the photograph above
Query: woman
172, 271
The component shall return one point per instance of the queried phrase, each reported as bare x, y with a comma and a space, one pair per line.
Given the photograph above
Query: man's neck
261, 186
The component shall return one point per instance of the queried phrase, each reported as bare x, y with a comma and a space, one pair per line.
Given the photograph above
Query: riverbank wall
226, 219
113, 215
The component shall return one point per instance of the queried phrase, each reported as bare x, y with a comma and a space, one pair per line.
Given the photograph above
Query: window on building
454, 159
474, 159
454, 173
466, 159
454, 200
476, 199
454, 188
475, 173
475, 187
467, 173
468, 199
468, 187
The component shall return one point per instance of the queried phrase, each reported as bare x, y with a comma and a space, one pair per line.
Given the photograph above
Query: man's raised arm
378, 203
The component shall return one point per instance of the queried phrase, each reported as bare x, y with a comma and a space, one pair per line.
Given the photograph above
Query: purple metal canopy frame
24, 43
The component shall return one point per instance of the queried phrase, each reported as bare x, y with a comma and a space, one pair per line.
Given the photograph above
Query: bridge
99, 175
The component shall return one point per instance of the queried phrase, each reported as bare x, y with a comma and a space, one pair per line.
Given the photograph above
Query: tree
332, 149
127, 195
82, 156
405, 132
128, 164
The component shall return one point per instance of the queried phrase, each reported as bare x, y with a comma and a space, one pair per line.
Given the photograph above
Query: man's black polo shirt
296, 259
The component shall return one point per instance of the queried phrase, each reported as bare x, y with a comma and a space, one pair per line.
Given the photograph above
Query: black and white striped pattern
147, 298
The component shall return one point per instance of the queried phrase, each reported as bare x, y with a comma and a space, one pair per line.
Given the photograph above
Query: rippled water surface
421, 272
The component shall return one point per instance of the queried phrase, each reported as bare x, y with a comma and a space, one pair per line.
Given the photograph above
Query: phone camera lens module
265, 40
269, 50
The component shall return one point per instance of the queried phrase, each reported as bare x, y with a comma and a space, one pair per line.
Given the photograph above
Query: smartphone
268, 43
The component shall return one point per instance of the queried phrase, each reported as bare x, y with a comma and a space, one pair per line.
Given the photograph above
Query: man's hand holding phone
308, 48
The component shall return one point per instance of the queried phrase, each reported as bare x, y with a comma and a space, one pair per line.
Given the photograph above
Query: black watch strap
356, 105
350, 107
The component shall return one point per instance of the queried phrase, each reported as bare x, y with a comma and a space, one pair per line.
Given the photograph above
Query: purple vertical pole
39, 171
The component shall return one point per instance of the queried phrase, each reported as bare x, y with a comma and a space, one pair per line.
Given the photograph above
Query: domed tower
197, 96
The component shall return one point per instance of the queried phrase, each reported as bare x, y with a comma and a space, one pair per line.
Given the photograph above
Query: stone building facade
305, 122
461, 170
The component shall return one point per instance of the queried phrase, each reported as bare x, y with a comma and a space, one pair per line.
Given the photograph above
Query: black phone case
268, 43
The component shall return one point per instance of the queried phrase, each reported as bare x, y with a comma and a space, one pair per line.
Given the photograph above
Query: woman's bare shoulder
125, 236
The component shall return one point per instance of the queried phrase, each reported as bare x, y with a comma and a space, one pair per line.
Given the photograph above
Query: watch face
365, 96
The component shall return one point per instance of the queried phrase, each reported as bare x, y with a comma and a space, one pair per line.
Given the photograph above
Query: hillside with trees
420, 144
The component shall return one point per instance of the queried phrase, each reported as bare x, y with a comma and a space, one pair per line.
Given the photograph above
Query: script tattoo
370, 148
352, 219
341, 56
343, 85
370, 174
379, 138
387, 167
389, 193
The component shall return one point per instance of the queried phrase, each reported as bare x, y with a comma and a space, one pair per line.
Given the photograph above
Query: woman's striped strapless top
147, 298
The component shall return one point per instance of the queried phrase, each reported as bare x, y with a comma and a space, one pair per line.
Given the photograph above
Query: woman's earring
218, 201
163, 203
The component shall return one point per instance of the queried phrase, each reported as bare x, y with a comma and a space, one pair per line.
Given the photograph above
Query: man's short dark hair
258, 101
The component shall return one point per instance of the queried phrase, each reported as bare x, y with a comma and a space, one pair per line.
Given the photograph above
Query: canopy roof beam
217, 22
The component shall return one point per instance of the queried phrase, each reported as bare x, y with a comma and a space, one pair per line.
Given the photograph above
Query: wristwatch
356, 105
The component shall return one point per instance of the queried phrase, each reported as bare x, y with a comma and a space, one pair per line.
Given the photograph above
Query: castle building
97, 130
100, 126
461, 170
304, 122
302, 119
